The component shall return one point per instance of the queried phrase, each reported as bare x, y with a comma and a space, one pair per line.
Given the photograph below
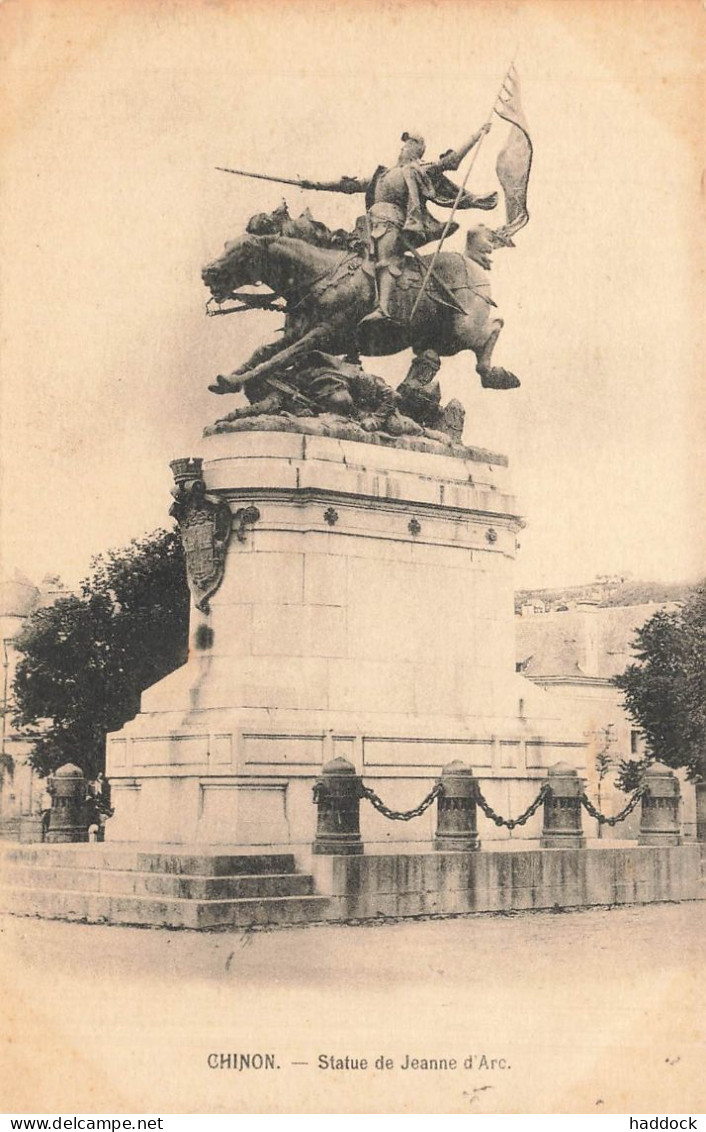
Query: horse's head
240, 264
480, 245
482, 241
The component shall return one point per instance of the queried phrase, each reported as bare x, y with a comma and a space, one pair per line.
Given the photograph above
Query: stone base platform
157, 887
432, 884
192, 887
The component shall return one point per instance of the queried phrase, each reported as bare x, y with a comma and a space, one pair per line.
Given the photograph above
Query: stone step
130, 882
188, 863
259, 913
94, 907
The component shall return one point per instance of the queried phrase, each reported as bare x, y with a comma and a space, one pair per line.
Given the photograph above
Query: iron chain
397, 815
510, 823
602, 819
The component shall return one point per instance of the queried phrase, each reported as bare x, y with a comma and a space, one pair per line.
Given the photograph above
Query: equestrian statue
369, 291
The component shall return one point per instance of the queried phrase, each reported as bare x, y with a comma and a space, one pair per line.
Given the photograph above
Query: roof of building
18, 596
592, 642
604, 591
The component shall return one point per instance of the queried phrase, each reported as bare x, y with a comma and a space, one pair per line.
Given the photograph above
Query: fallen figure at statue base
324, 395
341, 428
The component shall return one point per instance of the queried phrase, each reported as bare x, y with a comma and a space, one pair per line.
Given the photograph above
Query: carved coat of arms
205, 525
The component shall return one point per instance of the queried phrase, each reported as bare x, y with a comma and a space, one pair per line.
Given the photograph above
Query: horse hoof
499, 378
222, 385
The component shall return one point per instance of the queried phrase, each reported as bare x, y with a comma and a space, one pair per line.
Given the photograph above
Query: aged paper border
653, 47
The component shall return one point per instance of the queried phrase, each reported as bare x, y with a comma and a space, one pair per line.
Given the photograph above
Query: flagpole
459, 194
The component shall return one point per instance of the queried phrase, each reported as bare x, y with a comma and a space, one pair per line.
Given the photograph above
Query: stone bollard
562, 810
337, 795
659, 819
456, 827
67, 821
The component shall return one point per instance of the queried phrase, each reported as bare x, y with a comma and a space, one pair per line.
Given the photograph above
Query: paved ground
589, 1011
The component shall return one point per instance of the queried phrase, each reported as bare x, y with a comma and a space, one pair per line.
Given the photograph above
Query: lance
265, 177
459, 194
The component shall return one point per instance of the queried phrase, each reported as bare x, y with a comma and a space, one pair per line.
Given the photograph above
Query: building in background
21, 789
572, 642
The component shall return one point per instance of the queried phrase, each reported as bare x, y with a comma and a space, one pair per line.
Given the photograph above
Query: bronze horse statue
328, 292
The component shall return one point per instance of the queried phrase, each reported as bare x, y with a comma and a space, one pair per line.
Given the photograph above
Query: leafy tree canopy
665, 693
86, 659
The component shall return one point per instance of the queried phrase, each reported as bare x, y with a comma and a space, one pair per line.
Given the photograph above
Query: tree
604, 761
86, 659
665, 693
631, 773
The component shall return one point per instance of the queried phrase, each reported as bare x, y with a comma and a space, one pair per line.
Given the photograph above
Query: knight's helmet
408, 136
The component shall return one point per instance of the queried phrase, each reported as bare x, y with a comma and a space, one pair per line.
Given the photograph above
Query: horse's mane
313, 251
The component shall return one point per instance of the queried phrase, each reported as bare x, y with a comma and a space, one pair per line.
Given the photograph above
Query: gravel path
599, 1010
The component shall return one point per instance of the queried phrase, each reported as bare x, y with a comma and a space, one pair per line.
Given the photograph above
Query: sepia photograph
352, 558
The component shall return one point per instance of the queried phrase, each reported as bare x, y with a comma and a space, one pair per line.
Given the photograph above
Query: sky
118, 114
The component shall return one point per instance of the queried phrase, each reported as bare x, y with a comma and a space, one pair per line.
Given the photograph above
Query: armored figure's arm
343, 185
453, 157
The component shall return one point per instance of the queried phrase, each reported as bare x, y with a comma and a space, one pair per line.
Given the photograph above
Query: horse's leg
315, 339
262, 354
493, 377
229, 383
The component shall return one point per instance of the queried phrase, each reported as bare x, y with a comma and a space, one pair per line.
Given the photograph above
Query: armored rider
396, 201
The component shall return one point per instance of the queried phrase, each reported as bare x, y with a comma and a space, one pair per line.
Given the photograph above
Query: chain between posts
397, 815
437, 791
510, 823
602, 819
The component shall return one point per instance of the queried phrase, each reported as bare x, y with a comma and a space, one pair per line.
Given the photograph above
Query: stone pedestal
659, 818
456, 827
562, 827
337, 796
68, 811
367, 613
